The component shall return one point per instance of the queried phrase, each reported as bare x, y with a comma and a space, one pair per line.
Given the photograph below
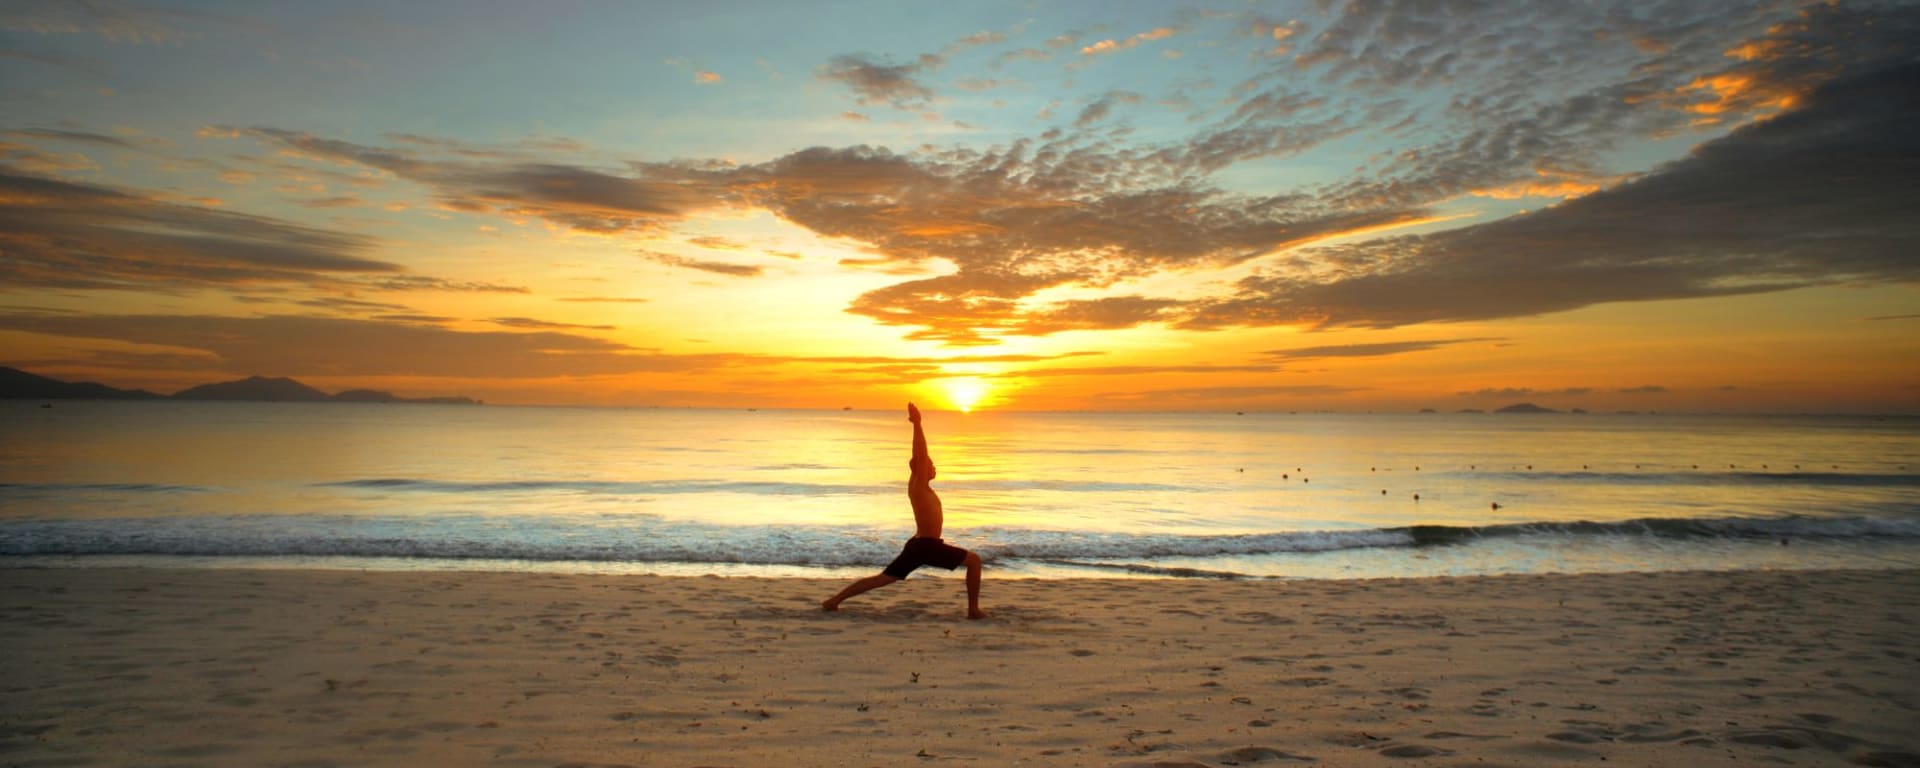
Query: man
925, 548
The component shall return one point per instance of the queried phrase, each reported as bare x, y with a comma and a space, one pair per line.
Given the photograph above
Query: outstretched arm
922, 463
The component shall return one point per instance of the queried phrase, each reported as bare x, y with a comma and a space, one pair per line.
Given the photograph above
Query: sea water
1051, 495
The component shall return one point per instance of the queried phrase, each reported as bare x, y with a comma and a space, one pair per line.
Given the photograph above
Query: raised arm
922, 463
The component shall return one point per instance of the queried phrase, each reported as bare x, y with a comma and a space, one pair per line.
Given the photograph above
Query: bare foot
975, 613
913, 413
829, 605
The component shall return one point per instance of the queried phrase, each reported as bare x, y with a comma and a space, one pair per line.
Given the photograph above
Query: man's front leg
973, 587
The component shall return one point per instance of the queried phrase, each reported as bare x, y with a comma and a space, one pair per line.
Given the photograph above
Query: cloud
706, 78
74, 235
1819, 195
1380, 349
877, 83
983, 37
297, 345
573, 196
115, 22
528, 323
1103, 106
1512, 392
80, 137
716, 267
28, 159
426, 283
1022, 54
1650, 389
343, 304
606, 299
1762, 208
1111, 46
337, 201
1134, 370
717, 243
1022, 220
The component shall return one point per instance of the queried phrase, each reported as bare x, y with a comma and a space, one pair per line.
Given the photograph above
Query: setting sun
964, 394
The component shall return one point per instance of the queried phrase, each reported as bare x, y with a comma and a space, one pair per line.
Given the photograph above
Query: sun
965, 393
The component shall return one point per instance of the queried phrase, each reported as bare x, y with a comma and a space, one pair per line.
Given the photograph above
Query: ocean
1039, 495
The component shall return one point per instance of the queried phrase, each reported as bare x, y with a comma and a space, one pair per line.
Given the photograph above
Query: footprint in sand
1414, 750
1245, 755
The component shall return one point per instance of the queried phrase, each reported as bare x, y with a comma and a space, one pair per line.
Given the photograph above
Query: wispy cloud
74, 235
1512, 392
1112, 45
528, 323
296, 345
875, 82
1763, 209
715, 267
1378, 349
117, 22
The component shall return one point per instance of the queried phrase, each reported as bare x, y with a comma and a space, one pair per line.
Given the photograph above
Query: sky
1288, 206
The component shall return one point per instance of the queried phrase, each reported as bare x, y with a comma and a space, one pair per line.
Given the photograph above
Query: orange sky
1081, 206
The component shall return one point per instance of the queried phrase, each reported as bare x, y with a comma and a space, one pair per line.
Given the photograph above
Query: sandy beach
316, 668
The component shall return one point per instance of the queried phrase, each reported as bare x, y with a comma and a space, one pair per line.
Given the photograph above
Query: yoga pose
925, 548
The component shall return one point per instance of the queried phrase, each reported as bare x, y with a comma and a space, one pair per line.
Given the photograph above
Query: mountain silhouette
19, 384
254, 388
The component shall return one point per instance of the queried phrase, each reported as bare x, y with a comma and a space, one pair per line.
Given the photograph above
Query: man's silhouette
925, 548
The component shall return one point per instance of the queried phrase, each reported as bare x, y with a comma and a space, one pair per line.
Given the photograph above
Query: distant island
1525, 408
19, 384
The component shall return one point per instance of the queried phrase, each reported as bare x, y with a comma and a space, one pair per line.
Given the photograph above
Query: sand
315, 668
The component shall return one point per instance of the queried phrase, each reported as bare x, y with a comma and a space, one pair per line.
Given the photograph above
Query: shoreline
113, 666
1360, 564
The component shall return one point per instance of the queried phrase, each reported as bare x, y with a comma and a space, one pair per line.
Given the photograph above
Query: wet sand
316, 668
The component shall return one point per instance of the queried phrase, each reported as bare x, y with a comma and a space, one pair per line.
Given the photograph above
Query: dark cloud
1621, 75
1103, 106
528, 323
79, 137
480, 182
1819, 195
74, 235
338, 201
293, 345
879, 83
1649, 389
343, 304
425, 283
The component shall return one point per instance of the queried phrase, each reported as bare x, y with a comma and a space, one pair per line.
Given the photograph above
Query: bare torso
927, 516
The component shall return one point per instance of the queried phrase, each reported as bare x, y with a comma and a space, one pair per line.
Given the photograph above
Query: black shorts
919, 552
